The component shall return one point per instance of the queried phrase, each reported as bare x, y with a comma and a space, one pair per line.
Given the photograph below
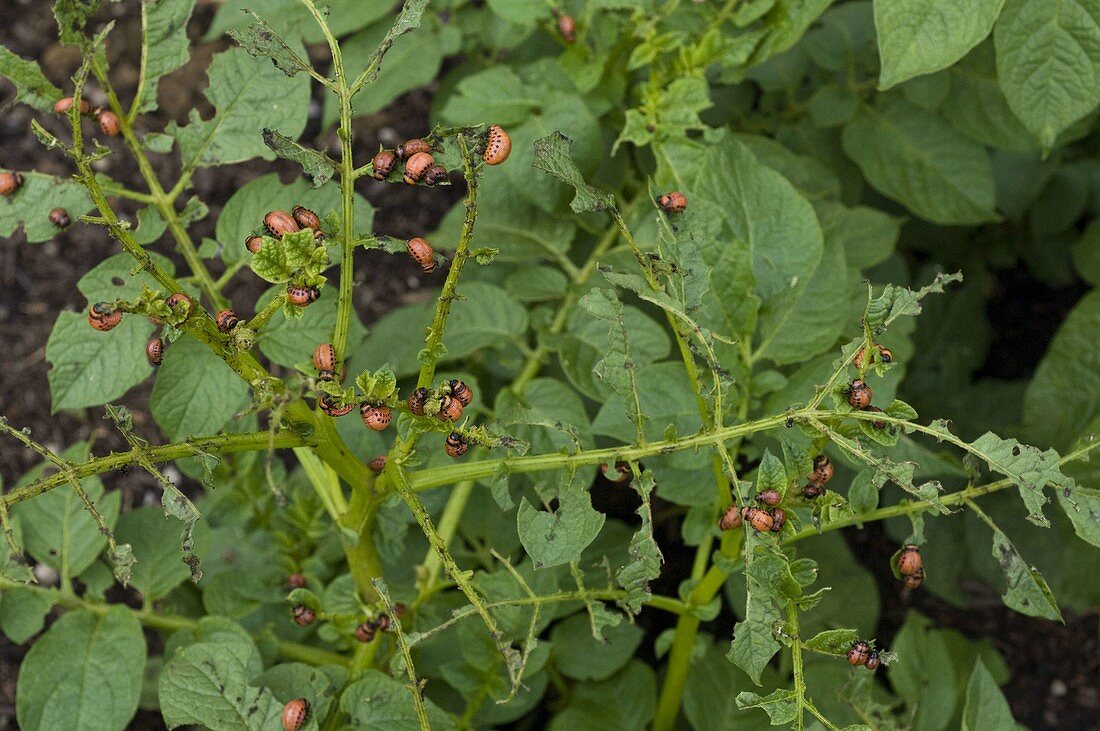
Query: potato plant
727, 237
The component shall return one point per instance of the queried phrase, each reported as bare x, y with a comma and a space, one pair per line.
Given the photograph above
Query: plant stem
450, 286
347, 191
217, 444
448, 524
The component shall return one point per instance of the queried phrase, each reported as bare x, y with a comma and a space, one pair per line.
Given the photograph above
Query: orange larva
154, 351
306, 218
383, 164
498, 146
180, 301
10, 182
456, 445
859, 653
770, 498
417, 165
462, 392
823, 470
60, 217
109, 123
377, 464
779, 517
914, 580
226, 320
295, 581
302, 296
422, 252
103, 317
416, 401
435, 174
674, 202
295, 714
450, 408
366, 631
331, 408
910, 561
324, 358
375, 416
759, 519
730, 519
303, 616
279, 223
253, 243
408, 148
65, 104
859, 394
568, 28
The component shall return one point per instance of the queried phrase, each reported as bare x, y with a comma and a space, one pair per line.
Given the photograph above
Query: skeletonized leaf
646, 559
316, 165
261, 41
1027, 592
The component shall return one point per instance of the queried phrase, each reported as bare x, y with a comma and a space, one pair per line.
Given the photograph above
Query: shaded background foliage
1019, 227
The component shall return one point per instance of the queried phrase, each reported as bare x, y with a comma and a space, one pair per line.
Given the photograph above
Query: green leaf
867, 234
559, 537
986, 708
292, 342
922, 162
1063, 399
579, 655
164, 45
262, 41
1027, 591
85, 673
548, 414
921, 36
23, 612
585, 341
626, 700
976, 105
196, 393
208, 684
413, 61
160, 566
1082, 507
57, 529
248, 95
780, 705
316, 165
924, 675
645, 555
552, 156
496, 93
92, 367
30, 206
31, 86
1030, 470
377, 701
520, 12
487, 317
506, 221
1048, 61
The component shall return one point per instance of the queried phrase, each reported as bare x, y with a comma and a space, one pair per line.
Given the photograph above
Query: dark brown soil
1054, 667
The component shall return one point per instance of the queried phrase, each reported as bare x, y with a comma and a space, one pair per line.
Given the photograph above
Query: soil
1054, 667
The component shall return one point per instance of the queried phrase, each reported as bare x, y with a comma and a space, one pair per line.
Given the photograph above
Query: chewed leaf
31, 86
30, 206
895, 302
646, 558
316, 165
261, 40
552, 156
559, 537
1027, 592
166, 47
781, 705
617, 368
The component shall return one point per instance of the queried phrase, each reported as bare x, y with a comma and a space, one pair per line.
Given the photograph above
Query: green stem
450, 286
218, 444
448, 525
347, 247
799, 672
